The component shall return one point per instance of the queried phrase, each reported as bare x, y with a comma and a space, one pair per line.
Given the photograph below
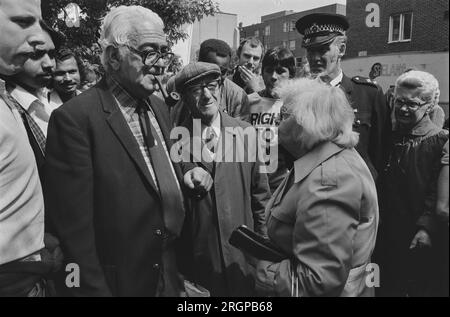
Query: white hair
120, 27
323, 112
426, 83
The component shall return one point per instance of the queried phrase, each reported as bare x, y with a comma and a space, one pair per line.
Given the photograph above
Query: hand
264, 282
250, 79
421, 240
53, 251
198, 179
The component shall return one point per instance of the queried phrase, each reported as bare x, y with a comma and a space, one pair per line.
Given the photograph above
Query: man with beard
325, 41
66, 77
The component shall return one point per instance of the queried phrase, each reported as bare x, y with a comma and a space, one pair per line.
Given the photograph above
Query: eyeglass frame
202, 87
144, 55
416, 107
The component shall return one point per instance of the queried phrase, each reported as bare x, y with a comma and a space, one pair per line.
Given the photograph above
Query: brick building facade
398, 35
278, 29
429, 33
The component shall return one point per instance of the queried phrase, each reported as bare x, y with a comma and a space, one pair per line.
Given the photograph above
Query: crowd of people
88, 176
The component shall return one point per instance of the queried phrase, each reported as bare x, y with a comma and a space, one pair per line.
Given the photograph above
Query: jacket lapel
122, 131
209, 166
226, 134
347, 87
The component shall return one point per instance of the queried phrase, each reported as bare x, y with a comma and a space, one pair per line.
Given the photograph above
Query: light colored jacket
324, 214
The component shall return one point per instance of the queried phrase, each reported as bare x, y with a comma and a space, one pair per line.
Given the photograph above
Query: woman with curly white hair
324, 215
408, 234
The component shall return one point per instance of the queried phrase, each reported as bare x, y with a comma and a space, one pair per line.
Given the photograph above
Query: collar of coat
319, 154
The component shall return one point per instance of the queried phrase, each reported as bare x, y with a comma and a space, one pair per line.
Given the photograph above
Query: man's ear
342, 49
114, 57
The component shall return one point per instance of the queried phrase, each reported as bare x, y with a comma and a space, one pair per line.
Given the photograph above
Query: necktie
30, 124
210, 139
170, 194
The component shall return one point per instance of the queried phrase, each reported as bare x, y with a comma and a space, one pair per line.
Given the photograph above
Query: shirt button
158, 232
156, 266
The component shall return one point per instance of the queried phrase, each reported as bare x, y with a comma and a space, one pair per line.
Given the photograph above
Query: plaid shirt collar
2, 86
122, 96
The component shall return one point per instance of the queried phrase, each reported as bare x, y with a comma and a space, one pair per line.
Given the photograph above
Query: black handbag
256, 245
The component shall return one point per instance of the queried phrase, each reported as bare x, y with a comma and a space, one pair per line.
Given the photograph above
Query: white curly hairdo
323, 112
426, 83
119, 28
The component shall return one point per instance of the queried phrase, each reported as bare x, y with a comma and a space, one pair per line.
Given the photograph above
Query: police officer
325, 41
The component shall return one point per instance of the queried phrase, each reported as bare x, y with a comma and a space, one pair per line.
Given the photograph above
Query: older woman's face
409, 108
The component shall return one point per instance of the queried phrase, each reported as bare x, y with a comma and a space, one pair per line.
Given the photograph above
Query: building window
285, 27
267, 30
285, 44
257, 33
292, 45
400, 27
293, 26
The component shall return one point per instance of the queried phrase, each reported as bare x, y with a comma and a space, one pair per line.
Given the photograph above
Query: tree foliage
84, 39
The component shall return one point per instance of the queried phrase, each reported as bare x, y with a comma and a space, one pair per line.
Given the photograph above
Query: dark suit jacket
101, 199
372, 120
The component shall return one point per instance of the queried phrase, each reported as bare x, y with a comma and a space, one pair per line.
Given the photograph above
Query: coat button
156, 266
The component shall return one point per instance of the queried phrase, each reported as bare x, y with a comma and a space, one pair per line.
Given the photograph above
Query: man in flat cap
325, 41
114, 198
239, 193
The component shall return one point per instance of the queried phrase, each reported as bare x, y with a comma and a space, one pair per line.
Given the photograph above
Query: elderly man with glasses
240, 191
114, 197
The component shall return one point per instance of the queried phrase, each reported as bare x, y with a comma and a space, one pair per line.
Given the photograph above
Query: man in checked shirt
114, 197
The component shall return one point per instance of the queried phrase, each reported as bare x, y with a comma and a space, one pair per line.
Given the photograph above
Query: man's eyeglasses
197, 90
150, 58
413, 106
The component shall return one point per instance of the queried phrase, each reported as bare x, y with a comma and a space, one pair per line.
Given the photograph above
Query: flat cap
321, 28
193, 72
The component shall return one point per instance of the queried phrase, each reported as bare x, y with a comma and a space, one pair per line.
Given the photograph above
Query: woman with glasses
409, 189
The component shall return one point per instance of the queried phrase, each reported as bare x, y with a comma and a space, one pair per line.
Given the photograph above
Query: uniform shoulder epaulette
364, 81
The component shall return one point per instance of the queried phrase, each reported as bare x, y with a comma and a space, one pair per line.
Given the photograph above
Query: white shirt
337, 81
54, 100
21, 198
39, 112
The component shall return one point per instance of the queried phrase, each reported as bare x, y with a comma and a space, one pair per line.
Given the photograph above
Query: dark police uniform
372, 120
